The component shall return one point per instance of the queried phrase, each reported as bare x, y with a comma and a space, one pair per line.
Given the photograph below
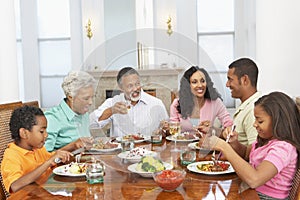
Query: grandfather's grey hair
76, 80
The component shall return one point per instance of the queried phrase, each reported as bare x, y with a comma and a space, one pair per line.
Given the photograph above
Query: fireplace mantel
164, 81
144, 72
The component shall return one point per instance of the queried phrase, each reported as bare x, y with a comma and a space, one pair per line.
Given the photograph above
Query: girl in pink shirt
199, 103
274, 157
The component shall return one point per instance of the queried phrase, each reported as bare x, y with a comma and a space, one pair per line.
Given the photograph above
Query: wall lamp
89, 32
169, 24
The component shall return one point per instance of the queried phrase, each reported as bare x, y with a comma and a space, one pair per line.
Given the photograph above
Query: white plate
135, 159
132, 168
108, 150
172, 138
195, 146
119, 139
193, 167
61, 170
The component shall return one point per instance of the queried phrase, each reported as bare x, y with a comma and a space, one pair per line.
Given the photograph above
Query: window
216, 36
19, 47
54, 47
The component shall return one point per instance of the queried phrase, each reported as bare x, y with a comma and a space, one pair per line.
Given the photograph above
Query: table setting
137, 168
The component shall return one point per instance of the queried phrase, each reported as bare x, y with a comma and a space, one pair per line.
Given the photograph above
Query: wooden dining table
120, 183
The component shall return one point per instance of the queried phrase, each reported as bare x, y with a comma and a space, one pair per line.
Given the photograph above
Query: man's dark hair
124, 72
245, 66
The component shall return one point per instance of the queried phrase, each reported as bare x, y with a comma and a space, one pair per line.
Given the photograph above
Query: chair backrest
5, 135
295, 191
32, 103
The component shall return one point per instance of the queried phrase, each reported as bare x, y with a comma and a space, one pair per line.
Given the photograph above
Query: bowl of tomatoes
169, 180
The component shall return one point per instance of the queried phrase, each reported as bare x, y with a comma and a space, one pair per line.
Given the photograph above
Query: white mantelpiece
163, 81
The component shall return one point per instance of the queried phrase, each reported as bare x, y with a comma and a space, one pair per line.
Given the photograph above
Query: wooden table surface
119, 183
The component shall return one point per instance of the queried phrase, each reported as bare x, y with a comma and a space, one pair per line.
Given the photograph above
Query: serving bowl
169, 180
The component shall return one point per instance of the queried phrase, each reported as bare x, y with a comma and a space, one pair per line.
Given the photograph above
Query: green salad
150, 164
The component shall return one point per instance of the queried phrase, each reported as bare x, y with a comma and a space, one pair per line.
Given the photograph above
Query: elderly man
242, 80
131, 112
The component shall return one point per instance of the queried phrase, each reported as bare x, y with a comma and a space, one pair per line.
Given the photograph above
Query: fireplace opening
112, 93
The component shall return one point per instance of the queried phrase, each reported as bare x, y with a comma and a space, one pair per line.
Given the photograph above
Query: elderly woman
68, 123
199, 103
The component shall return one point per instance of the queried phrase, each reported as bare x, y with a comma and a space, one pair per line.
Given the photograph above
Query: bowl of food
169, 180
149, 165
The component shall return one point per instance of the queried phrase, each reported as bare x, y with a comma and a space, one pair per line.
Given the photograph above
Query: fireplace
162, 83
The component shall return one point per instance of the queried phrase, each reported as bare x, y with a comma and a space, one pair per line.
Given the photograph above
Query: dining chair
32, 103
295, 191
5, 135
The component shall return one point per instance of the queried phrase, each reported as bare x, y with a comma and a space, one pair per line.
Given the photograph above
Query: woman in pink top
199, 103
274, 157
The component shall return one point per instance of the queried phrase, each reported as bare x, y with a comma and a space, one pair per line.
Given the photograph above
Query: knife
75, 152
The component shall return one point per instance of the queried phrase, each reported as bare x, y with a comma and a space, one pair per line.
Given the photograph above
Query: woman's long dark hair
186, 103
285, 118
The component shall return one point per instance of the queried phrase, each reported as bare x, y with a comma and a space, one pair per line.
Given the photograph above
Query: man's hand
119, 108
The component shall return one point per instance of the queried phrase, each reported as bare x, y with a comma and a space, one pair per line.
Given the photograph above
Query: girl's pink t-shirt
283, 156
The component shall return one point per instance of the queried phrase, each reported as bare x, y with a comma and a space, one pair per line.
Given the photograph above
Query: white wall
9, 85
278, 42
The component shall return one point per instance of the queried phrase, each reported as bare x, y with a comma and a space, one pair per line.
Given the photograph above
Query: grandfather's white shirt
142, 118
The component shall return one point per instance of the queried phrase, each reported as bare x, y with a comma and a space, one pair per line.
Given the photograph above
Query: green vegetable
150, 164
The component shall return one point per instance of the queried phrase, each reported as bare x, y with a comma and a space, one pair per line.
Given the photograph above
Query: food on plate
100, 144
133, 136
150, 164
211, 167
138, 152
169, 180
75, 168
186, 136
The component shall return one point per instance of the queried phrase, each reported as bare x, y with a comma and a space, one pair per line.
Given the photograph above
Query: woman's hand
164, 128
204, 126
83, 142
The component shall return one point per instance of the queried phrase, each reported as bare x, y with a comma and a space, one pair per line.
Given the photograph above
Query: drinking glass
175, 130
94, 171
156, 137
187, 156
127, 144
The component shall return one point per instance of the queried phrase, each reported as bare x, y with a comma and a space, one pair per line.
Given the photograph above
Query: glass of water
94, 171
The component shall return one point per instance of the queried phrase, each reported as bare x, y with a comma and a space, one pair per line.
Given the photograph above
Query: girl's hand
213, 142
233, 134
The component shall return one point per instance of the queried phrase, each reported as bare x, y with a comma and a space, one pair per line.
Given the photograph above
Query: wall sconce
169, 21
89, 32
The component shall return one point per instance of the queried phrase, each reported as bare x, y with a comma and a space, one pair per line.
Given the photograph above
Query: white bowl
133, 169
135, 159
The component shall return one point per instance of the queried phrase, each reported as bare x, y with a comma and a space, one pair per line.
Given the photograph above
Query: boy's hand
60, 156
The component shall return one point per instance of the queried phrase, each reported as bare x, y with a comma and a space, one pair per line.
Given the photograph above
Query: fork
213, 156
227, 140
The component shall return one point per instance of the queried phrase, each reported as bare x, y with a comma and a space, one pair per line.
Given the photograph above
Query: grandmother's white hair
76, 80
